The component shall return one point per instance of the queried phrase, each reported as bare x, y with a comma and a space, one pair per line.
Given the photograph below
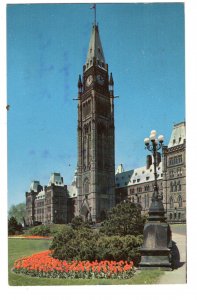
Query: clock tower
96, 161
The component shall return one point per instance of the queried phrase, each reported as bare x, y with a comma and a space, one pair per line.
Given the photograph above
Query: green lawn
18, 248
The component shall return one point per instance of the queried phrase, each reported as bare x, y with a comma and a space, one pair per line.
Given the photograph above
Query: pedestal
156, 249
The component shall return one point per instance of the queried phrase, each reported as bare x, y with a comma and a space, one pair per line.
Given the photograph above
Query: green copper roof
178, 135
95, 50
34, 186
56, 179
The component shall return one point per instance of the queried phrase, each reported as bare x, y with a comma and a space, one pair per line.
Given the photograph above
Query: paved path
177, 275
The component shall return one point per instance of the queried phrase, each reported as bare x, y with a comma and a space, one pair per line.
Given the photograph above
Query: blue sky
46, 49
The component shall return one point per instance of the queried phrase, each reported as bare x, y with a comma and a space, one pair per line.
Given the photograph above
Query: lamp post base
156, 249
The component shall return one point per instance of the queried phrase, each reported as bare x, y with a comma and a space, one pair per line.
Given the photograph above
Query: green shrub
42, 230
14, 227
124, 219
119, 248
77, 223
86, 244
74, 244
46, 230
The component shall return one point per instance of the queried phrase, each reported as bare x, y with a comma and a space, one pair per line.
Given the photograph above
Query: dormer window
180, 139
174, 141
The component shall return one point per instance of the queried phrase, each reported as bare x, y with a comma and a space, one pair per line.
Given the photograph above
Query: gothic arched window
171, 202
180, 201
171, 186
179, 186
86, 186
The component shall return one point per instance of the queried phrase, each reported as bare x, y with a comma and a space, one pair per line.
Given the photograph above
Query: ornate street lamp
156, 248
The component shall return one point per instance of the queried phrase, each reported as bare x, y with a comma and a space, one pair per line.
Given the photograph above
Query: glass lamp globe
146, 141
153, 135
161, 138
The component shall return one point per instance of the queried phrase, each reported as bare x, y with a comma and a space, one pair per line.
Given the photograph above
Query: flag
93, 6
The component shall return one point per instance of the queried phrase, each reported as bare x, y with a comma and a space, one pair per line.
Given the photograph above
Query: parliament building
96, 187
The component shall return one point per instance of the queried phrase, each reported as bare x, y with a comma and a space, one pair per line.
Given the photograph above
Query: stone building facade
137, 184
96, 162
47, 204
174, 181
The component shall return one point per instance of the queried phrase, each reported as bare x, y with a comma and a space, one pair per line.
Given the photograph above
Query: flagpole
94, 14
94, 7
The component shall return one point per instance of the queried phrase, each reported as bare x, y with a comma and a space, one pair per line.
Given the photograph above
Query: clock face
100, 79
89, 80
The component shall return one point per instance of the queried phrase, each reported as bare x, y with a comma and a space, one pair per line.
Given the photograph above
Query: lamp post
156, 248
154, 145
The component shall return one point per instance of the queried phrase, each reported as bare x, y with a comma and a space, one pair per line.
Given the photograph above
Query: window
138, 180
134, 181
179, 172
180, 159
146, 201
132, 191
179, 186
180, 201
175, 186
86, 186
171, 174
171, 186
147, 178
170, 216
171, 202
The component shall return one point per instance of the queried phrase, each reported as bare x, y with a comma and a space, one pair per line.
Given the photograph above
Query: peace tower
96, 162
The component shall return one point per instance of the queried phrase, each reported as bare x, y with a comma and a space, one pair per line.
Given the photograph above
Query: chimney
158, 158
148, 161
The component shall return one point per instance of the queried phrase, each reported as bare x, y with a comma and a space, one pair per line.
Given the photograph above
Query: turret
80, 85
111, 84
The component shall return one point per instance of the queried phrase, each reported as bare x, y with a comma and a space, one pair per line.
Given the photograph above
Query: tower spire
95, 53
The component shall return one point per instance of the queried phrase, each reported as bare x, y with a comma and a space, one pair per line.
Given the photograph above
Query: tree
14, 227
124, 219
18, 212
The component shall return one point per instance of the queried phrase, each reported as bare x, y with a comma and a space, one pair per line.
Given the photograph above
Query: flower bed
31, 237
38, 237
44, 265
